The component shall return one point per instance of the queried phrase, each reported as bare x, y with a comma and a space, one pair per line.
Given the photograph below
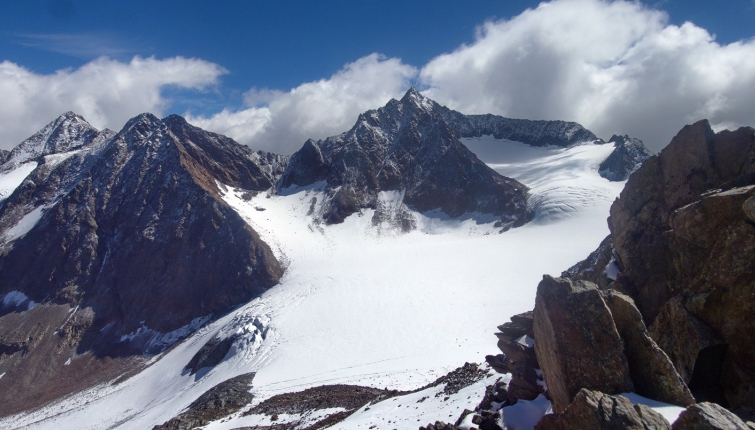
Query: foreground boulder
588, 338
708, 416
684, 234
594, 410
577, 344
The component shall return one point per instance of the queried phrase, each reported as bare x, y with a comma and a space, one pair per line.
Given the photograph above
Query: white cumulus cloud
613, 66
105, 91
280, 121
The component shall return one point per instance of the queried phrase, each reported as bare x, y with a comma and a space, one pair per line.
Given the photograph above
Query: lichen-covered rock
594, 410
577, 344
652, 372
708, 416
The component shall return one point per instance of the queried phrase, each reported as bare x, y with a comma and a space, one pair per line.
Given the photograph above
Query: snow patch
14, 298
24, 225
11, 179
525, 413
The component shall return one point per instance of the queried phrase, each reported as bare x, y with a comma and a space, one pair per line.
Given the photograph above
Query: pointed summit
68, 132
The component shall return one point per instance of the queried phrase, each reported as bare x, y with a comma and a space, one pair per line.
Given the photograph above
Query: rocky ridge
127, 235
407, 147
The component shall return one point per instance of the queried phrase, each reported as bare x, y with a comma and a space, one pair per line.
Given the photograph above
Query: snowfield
369, 305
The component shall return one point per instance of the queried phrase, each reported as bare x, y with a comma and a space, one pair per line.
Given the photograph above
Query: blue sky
246, 49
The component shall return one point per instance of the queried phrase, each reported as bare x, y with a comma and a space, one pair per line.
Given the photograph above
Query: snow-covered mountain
116, 246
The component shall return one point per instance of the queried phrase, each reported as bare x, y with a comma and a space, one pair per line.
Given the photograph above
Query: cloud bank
106, 92
281, 122
613, 66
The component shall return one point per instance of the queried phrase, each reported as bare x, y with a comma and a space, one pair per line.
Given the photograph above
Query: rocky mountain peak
405, 146
628, 156
68, 132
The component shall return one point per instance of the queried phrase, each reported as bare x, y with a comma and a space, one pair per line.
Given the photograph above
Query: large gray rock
578, 345
652, 372
593, 410
708, 416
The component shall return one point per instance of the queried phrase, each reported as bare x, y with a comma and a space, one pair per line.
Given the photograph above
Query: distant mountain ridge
406, 146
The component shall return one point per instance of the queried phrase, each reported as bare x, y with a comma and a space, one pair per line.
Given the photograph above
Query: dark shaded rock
695, 349
745, 414
487, 420
577, 344
652, 372
523, 385
493, 393
749, 207
519, 326
535, 133
219, 401
596, 410
708, 416
518, 354
499, 363
681, 231
628, 156
210, 354
405, 146
593, 268
349, 397
439, 425
3, 156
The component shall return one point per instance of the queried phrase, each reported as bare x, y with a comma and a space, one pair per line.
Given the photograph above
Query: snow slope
368, 305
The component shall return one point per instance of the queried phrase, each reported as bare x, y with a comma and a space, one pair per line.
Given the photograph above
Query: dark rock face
535, 133
691, 343
405, 146
628, 156
596, 410
219, 401
708, 416
3, 155
210, 354
577, 344
132, 229
681, 231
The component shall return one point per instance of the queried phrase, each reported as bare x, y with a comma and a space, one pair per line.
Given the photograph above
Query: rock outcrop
594, 267
683, 231
408, 148
577, 345
588, 338
628, 156
129, 232
708, 416
534, 133
219, 401
595, 410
